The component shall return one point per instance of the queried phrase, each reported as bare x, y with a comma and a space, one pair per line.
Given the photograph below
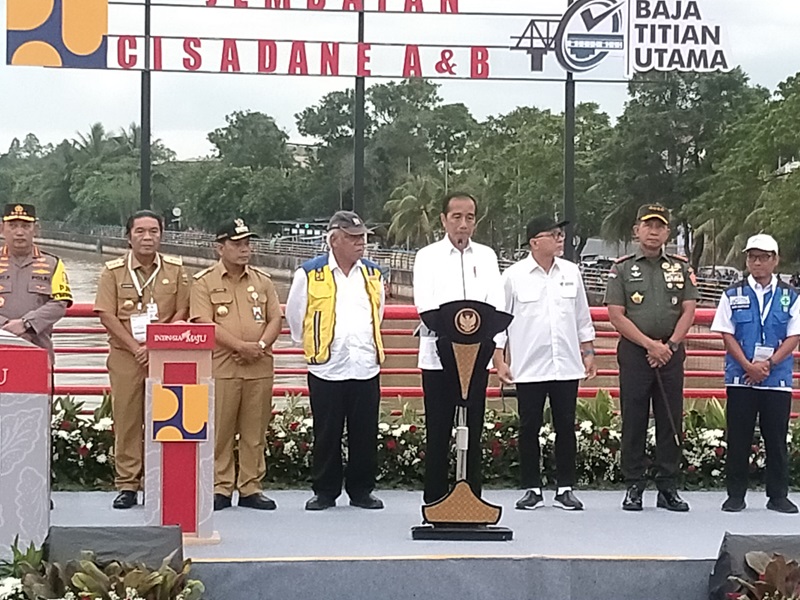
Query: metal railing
702, 346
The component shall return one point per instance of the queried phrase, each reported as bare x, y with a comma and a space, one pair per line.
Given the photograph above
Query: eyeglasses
556, 235
762, 258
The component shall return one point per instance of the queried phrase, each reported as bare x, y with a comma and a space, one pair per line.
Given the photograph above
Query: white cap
762, 241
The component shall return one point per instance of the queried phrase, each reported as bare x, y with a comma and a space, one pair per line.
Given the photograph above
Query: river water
84, 270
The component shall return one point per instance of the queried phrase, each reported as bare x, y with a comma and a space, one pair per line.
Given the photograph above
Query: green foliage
778, 578
21, 561
251, 139
85, 578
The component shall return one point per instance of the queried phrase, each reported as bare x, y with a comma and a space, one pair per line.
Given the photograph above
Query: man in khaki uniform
34, 289
243, 303
141, 287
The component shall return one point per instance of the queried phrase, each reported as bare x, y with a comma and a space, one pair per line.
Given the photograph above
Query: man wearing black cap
241, 300
548, 350
141, 287
334, 310
34, 289
651, 299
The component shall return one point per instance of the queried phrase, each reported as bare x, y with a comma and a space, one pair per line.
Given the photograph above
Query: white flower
103, 424
383, 427
64, 435
289, 446
308, 422
101, 458
280, 435
586, 426
715, 473
488, 425
551, 436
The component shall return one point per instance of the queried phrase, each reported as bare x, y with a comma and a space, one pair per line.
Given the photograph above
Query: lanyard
135, 278
765, 310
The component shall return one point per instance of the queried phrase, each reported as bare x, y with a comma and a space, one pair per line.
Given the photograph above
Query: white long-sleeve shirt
551, 321
443, 274
353, 352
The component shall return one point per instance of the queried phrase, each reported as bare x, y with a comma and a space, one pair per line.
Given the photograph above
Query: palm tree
414, 206
93, 145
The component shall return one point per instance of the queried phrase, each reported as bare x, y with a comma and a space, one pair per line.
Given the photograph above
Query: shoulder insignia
203, 273
116, 263
50, 254
622, 259
260, 272
172, 260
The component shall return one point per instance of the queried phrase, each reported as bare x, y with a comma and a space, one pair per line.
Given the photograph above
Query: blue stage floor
603, 530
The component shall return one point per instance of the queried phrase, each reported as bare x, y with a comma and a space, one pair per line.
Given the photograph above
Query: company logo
185, 337
180, 413
588, 32
57, 33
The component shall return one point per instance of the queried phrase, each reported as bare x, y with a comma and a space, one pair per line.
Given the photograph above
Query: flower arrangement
83, 447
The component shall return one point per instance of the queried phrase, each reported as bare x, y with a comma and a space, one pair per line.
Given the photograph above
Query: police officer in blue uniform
759, 319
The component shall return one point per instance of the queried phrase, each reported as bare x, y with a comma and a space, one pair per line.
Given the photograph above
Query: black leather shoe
320, 503
258, 501
782, 505
125, 499
369, 502
734, 504
221, 501
633, 498
530, 501
670, 500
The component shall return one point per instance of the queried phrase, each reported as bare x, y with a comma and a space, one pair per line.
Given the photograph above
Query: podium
179, 430
25, 415
465, 331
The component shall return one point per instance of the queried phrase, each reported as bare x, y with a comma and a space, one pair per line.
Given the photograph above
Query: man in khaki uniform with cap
34, 289
241, 300
141, 287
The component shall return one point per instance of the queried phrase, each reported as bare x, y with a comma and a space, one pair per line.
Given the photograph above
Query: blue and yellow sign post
179, 429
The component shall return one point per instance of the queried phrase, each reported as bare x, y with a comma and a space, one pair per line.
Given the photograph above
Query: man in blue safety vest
758, 320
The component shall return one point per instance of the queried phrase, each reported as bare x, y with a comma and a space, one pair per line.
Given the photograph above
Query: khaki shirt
34, 288
117, 295
652, 290
242, 307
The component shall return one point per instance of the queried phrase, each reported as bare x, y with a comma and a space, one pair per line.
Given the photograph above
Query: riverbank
280, 267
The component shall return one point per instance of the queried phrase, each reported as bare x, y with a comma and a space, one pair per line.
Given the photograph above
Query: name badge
139, 325
740, 302
762, 353
258, 316
152, 311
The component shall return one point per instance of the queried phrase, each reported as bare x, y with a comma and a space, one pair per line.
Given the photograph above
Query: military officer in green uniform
651, 299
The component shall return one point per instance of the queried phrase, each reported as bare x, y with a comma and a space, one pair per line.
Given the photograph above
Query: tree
251, 139
414, 209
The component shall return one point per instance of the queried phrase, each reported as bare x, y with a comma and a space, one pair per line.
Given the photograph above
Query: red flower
498, 425
596, 437
66, 425
512, 442
497, 449
278, 444
391, 445
604, 432
691, 469
294, 425
304, 446
719, 451
412, 429
754, 448
83, 452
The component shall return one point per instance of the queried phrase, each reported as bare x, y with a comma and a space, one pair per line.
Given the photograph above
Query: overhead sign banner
636, 35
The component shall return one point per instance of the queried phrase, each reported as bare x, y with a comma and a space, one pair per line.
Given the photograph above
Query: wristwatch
673, 346
27, 324
588, 352
262, 344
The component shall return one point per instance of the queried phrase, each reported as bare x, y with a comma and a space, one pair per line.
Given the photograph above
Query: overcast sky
55, 104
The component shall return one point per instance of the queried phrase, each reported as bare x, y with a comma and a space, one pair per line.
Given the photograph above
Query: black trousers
440, 410
639, 388
530, 402
334, 403
773, 409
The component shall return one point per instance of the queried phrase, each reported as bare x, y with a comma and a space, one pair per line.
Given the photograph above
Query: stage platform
350, 553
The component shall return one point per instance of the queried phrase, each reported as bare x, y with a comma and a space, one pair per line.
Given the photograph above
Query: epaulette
172, 260
679, 257
49, 254
264, 273
116, 263
202, 273
624, 258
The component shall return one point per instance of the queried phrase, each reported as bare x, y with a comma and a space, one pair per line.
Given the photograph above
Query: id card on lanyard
141, 320
762, 351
